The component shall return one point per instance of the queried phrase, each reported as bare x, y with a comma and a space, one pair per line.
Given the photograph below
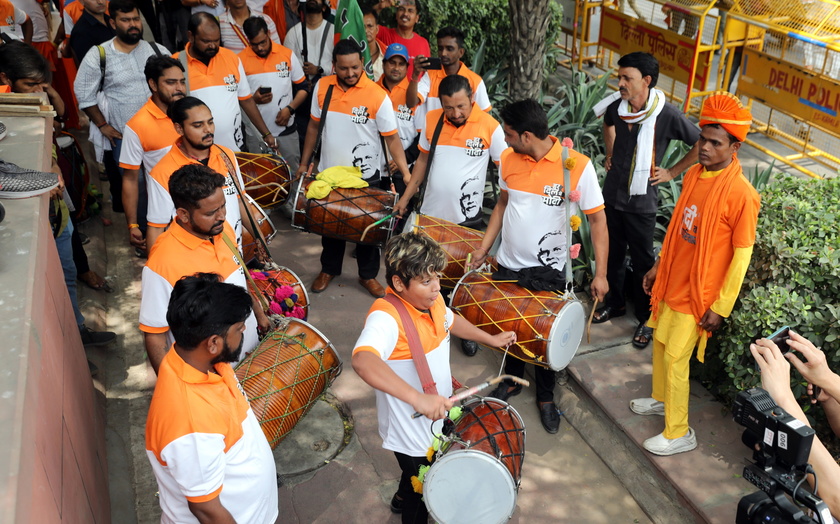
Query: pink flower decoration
574, 251
258, 275
297, 312
567, 142
283, 292
574, 196
276, 308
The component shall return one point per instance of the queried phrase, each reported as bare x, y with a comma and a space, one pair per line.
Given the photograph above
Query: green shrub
793, 279
479, 20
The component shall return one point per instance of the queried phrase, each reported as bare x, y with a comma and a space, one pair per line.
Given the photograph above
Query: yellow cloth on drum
337, 176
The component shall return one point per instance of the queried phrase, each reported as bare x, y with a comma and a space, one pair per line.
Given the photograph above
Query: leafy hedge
479, 20
793, 279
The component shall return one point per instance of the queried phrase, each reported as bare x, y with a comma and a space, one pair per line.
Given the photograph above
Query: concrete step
703, 485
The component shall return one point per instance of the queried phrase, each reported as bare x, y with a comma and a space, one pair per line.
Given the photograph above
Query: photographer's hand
815, 367
775, 371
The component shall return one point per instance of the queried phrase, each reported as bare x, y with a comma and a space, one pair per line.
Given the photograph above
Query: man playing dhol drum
531, 209
358, 111
382, 358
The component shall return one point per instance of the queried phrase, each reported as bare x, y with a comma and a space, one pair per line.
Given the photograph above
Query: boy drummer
382, 358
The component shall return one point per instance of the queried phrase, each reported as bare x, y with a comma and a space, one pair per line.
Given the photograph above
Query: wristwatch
291, 109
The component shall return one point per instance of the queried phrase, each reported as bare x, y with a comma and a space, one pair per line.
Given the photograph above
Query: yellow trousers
674, 340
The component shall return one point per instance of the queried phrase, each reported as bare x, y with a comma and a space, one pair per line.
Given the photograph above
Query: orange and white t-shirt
384, 335
429, 84
40, 26
357, 117
406, 126
178, 253
162, 209
204, 441
220, 85
72, 12
534, 224
147, 137
278, 71
455, 189
11, 18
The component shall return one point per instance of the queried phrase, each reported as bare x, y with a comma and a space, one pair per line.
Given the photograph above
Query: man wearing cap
695, 282
638, 126
400, 87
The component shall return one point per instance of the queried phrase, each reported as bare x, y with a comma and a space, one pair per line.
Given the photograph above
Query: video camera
781, 445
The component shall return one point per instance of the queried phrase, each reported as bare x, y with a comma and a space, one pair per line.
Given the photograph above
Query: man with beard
147, 137
270, 65
194, 124
122, 87
199, 410
195, 242
532, 205
216, 76
450, 44
359, 111
638, 126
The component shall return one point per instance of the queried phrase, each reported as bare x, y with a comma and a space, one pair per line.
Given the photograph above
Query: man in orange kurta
696, 280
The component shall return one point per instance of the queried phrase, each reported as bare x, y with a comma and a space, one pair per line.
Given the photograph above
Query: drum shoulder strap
316, 151
253, 223
431, 156
417, 353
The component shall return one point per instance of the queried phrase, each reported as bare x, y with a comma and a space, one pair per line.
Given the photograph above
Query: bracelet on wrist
132, 226
266, 135
103, 124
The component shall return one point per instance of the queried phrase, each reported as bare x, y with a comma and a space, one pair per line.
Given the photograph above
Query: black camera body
781, 445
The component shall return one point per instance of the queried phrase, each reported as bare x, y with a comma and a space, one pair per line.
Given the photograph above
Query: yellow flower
575, 222
570, 163
417, 485
430, 453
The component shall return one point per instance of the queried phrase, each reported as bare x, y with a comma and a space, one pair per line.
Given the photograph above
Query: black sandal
607, 312
642, 332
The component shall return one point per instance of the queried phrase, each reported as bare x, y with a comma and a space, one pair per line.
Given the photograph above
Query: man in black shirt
93, 28
638, 126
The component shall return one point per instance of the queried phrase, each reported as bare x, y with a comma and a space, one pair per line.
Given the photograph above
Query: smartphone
264, 90
433, 62
780, 338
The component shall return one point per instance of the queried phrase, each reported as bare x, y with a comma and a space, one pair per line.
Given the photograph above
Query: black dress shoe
503, 392
607, 312
469, 347
549, 416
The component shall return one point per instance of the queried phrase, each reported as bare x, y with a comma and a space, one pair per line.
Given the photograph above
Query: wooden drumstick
589, 323
475, 389
362, 238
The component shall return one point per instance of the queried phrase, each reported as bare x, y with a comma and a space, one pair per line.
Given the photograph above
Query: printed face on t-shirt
364, 157
550, 249
470, 198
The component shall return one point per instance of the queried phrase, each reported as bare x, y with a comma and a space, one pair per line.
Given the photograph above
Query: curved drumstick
364, 232
589, 324
475, 389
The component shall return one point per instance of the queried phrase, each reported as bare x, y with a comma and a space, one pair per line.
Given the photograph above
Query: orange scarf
709, 215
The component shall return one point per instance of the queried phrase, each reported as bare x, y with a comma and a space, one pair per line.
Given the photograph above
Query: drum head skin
565, 336
469, 487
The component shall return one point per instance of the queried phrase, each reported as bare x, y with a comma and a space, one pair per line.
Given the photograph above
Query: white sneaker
647, 406
659, 445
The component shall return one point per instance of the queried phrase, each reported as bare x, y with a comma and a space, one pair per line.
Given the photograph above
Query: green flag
350, 24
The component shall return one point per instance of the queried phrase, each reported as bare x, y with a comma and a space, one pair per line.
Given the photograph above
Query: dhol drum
249, 245
285, 375
548, 328
344, 214
267, 178
457, 241
476, 476
284, 292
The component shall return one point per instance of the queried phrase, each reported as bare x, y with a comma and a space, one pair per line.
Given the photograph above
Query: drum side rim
577, 309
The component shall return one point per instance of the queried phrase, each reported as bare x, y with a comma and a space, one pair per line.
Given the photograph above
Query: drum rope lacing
278, 191
279, 366
447, 440
527, 319
342, 221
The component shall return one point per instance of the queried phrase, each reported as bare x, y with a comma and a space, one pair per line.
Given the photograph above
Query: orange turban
726, 109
